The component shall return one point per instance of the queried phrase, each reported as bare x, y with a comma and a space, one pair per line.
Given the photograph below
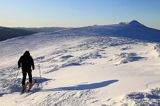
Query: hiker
27, 64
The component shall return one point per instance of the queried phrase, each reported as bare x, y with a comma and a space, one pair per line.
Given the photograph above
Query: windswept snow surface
81, 71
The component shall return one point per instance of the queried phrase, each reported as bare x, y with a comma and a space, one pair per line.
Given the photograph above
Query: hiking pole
16, 76
39, 66
39, 70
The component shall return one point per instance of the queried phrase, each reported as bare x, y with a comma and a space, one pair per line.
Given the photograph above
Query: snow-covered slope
81, 71
133, 29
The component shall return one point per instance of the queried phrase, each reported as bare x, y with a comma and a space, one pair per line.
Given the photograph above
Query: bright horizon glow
77, 13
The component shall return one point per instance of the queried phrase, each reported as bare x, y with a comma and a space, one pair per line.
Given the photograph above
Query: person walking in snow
27, 64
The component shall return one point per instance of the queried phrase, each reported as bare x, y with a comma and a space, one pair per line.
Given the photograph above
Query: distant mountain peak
135, 23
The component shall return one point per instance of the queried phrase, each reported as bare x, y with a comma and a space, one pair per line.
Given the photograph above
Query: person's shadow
84, 86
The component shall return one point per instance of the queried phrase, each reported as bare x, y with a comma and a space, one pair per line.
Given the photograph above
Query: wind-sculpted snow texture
149, 98
81, 71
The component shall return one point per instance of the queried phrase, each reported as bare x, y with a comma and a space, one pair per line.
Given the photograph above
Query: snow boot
23, 89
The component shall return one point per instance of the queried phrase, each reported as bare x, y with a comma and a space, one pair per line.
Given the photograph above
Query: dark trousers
24, 76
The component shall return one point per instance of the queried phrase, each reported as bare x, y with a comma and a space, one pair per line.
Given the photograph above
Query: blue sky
75, 13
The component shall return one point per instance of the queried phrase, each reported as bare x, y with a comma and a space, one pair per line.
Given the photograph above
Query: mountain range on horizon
133, 29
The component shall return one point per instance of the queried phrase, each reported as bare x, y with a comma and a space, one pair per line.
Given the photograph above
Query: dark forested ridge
7, 33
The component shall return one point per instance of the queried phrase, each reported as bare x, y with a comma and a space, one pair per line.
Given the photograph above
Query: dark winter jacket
26, 62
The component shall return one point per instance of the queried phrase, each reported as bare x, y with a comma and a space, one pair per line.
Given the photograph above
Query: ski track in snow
66, 62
